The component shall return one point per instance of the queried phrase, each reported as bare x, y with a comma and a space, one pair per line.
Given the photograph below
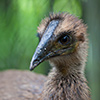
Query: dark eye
65, 39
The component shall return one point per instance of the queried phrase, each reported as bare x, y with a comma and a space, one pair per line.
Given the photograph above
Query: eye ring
64, 40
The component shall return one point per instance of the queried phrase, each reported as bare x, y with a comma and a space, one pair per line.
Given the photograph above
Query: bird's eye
64, 40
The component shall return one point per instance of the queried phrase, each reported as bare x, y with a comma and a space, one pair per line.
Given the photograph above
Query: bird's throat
70, 87
67, 64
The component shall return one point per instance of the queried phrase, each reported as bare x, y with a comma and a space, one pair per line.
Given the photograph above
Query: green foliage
71, 6
19, 21
18, 27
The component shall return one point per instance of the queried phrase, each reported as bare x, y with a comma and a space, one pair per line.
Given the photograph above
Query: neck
69, 87
66, 80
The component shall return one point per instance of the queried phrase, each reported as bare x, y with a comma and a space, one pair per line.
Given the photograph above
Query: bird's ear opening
81, 37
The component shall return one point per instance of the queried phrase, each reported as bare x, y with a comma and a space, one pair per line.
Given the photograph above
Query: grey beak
43, 49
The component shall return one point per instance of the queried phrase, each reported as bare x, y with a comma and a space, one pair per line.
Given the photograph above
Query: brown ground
20, 85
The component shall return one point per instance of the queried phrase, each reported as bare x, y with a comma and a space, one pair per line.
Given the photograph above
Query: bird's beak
40, 54
43, 49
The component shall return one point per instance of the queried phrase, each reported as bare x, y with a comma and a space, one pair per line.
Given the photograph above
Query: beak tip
31, 68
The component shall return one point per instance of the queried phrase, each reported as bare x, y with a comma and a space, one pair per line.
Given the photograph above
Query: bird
20, 85
63, 41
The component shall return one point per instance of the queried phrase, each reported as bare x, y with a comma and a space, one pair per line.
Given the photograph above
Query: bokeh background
18, 28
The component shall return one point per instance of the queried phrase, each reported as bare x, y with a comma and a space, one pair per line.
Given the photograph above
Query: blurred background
18, 29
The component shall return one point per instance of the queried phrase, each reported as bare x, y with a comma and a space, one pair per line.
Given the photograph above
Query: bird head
59, 35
